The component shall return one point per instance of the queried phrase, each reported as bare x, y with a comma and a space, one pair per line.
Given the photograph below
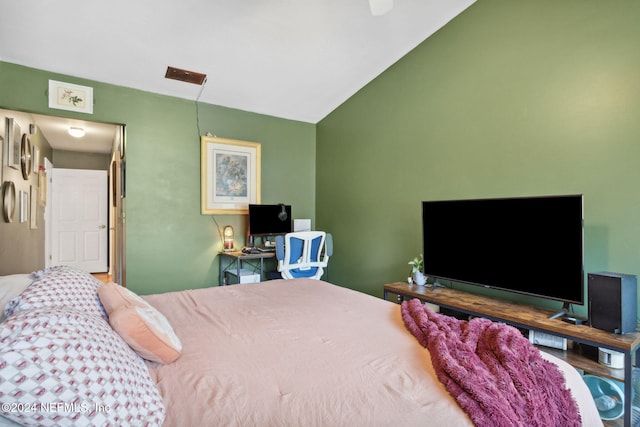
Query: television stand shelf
535, 318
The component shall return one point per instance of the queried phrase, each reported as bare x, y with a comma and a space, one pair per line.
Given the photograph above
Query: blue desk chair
303, 254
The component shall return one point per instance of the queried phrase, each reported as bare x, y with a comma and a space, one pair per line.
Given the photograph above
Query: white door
79, 203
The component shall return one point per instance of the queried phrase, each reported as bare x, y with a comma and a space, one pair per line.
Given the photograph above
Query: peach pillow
147, 332
114, 296
143, 327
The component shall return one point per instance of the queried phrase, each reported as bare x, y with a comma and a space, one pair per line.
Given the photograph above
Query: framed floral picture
230, 175
67, 96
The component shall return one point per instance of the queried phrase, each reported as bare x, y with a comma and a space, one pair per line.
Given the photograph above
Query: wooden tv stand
535, 318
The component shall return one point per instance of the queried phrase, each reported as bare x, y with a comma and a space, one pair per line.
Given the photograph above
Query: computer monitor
269, 220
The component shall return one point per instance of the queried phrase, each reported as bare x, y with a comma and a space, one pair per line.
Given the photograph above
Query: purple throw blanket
495, 374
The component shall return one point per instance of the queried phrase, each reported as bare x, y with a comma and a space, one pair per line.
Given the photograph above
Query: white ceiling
294, 59
99, 137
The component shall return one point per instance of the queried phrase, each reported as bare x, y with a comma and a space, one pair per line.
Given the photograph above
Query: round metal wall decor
8, 200
25, 156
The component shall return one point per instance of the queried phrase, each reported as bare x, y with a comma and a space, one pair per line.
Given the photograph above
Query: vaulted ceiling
295, 59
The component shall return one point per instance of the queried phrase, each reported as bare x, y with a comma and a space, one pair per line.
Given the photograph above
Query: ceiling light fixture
76, 132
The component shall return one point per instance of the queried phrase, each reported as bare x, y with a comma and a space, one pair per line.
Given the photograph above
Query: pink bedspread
302, 353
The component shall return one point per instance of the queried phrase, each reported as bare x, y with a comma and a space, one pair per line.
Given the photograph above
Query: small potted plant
417, 265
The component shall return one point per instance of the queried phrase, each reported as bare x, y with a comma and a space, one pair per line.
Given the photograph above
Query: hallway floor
103, 277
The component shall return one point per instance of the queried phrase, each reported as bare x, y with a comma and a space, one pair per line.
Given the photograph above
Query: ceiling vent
185, 76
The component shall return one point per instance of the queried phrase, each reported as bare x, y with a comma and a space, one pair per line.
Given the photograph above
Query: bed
277, 353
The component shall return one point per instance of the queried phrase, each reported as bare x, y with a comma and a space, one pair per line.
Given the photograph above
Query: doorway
101, 149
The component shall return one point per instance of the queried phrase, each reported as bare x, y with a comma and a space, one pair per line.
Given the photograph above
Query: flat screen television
269, 220
528, 245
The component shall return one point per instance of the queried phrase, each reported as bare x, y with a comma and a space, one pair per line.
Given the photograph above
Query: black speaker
613, 302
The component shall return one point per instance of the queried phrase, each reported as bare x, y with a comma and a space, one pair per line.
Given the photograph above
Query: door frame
48, 217
117, 216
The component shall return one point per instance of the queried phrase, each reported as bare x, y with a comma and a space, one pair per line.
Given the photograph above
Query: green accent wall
522, 98
511, 98
169, 244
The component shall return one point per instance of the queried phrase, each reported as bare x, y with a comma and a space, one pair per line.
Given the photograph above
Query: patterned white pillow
10, 287
60, 286
62, 366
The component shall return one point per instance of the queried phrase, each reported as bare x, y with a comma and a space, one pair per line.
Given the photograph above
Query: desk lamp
228, 238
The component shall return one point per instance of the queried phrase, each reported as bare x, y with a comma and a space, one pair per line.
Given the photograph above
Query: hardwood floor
103, 277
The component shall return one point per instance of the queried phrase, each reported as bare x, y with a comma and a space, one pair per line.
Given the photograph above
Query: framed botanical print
229, 175
67, 96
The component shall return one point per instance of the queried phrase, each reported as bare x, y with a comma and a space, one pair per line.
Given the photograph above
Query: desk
236, 261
